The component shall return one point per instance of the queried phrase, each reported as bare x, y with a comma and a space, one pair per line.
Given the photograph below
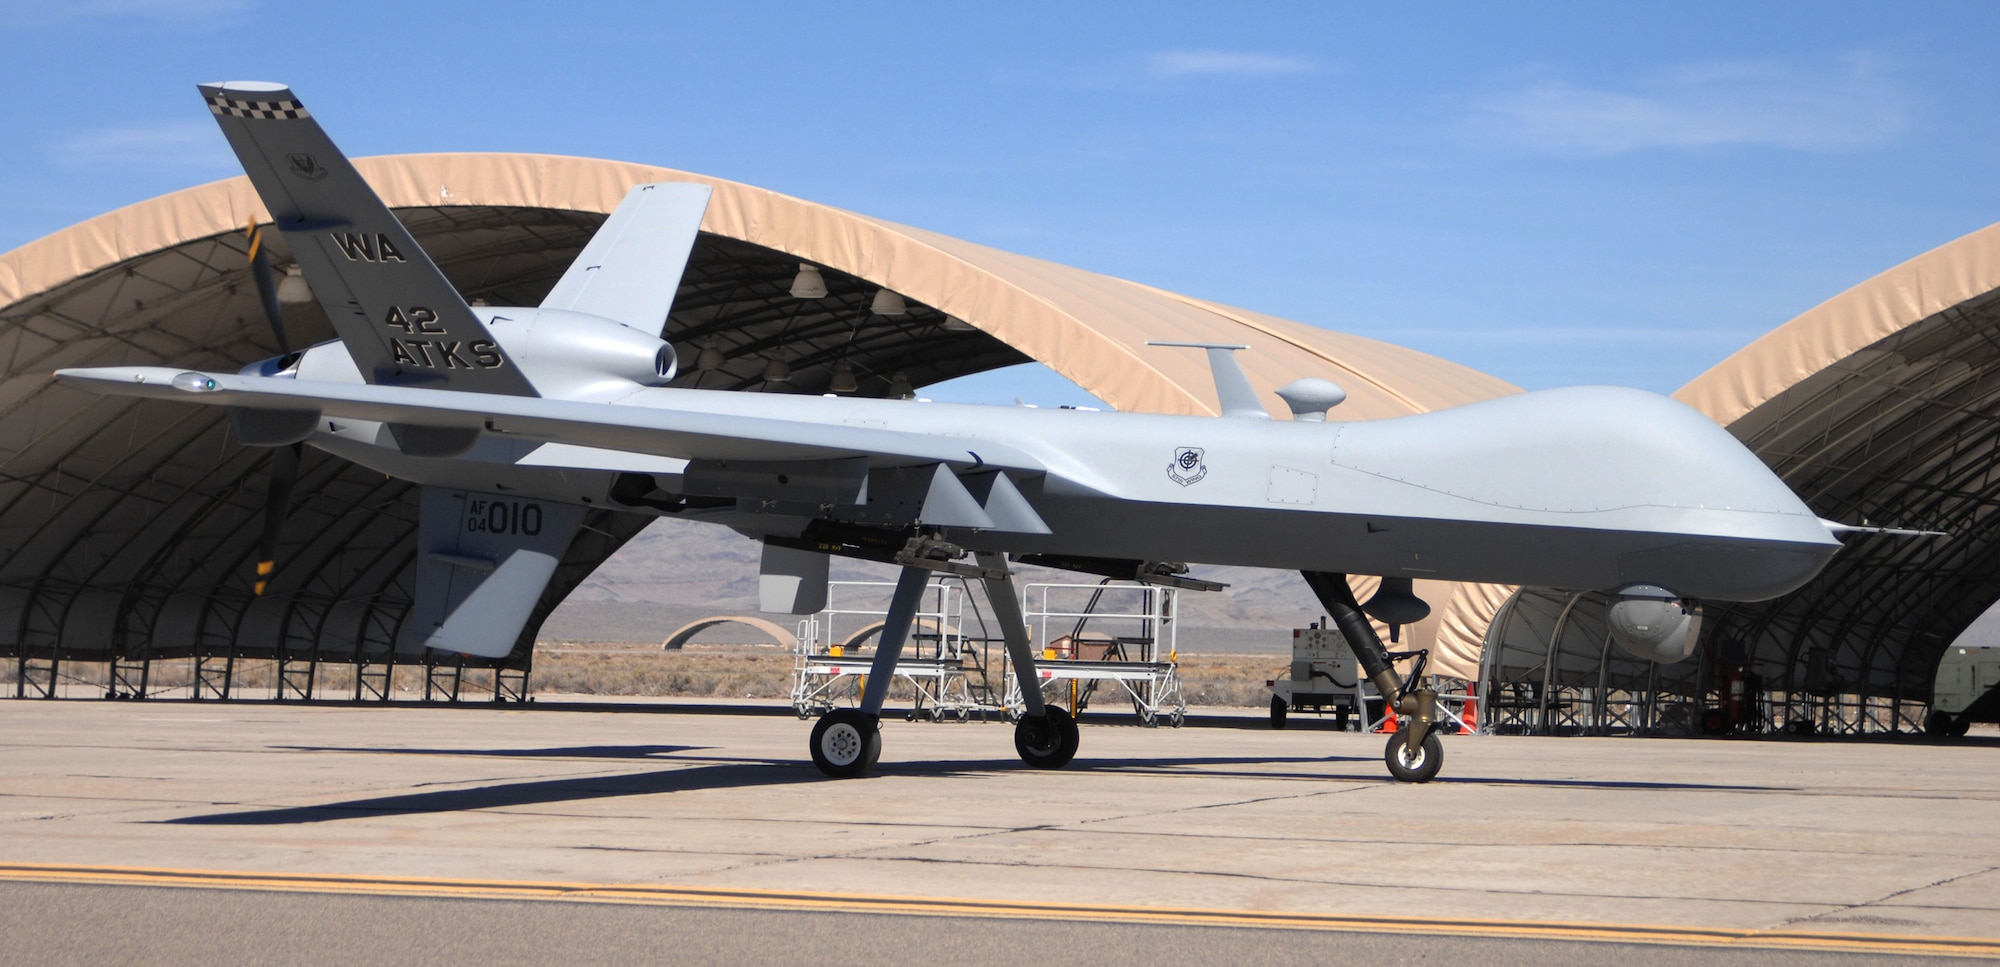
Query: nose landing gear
1420, 765
1414, 753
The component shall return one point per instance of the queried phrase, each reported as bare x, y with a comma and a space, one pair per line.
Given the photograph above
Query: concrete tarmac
1752, 845
109, 926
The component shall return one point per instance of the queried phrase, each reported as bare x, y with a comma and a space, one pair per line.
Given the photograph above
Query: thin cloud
1568, 336
1173, 70
1225, 63
179, 144
1848, 106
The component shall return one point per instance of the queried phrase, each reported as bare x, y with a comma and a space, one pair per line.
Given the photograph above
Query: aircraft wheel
1960, 724
1048, 742
1938, 724
1278, 710
846, 742
1421, 767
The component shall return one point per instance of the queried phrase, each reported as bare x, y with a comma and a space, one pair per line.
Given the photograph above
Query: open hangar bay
129, 530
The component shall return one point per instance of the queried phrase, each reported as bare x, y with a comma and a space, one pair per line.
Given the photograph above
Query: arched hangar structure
128, 529
1880, 406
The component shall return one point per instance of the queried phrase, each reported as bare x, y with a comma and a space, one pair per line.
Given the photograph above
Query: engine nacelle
571, 355
1654, 623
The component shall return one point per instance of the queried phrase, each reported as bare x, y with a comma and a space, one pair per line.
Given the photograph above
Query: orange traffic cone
1388, 718
1470, 713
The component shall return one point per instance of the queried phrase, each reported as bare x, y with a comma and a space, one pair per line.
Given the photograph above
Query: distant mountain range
677, 571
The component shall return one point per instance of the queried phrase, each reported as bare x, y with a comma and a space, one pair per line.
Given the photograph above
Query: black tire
1938, 724
1960, 724
1421, 768
1048, 742
1278, 710
845, 743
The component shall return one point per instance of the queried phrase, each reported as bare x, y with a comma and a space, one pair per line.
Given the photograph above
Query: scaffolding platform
1136, 659
1153, 686
944, 662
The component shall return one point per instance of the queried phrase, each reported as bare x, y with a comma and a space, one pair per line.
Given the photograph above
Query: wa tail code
367, 247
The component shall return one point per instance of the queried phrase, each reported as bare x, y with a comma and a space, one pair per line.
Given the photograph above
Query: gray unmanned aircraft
515, 420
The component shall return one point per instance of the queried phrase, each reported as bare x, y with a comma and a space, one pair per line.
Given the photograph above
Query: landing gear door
483, 561
791, 581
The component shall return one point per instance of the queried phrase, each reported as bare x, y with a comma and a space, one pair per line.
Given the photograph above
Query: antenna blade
1232, 388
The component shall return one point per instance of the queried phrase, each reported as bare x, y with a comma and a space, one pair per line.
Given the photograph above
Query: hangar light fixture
888, 303
899, 386
292, 289
955, 324
843, 379
808, 284
710, 359
776, 371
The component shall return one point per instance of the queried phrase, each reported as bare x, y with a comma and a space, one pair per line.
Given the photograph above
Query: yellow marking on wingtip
654, 895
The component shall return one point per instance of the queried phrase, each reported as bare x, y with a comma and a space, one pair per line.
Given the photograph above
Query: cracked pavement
1870, 837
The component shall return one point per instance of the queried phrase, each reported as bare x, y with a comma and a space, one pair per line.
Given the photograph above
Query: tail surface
398, 316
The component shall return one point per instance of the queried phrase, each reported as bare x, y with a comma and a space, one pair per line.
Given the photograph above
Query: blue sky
1553, 193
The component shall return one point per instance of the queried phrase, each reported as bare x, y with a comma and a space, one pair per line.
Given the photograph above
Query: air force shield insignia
1187, 468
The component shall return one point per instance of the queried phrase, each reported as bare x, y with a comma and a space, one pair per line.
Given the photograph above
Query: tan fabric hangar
1878, 407
129, 530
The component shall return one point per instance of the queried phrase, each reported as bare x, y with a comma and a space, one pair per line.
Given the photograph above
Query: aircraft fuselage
1550, 488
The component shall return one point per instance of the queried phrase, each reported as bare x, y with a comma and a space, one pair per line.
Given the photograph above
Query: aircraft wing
632, 267
400, 317
639, 429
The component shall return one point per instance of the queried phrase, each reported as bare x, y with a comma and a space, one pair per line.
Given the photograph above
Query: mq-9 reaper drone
515, 419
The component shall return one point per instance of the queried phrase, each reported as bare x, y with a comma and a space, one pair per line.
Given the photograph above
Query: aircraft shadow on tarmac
749, 774
570, 752
539, 792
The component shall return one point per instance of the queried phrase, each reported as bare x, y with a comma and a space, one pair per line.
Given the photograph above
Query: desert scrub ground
701, 671
751, 672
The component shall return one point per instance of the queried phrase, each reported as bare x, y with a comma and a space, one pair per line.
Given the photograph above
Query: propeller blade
277, 500
267, 285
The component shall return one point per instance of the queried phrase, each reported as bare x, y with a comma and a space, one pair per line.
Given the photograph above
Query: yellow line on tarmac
799, 900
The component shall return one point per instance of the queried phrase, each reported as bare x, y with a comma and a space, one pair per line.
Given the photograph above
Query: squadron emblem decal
1187, 468
306, 166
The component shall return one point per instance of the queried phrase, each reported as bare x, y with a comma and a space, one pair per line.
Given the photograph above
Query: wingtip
245, 87
1842, 530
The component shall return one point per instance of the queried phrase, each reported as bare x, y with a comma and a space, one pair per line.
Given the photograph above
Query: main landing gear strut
1414, 753
846, 742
